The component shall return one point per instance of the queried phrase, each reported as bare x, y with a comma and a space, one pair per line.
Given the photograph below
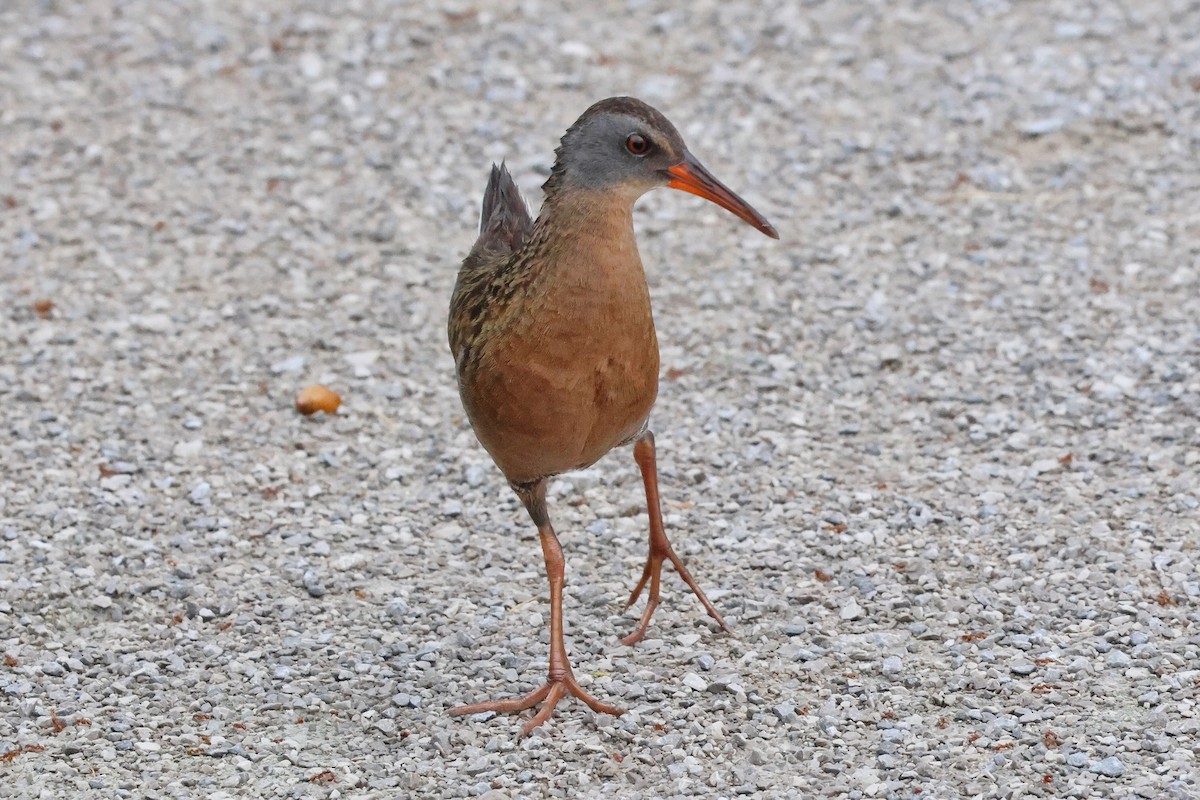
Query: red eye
637, 144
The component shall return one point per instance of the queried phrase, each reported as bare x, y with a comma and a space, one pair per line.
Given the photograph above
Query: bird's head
623, 145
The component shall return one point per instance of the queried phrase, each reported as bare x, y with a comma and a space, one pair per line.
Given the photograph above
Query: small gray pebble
1042, 127
785, 711
1110, 767
798, 653
864, 585
312, 583
293, 364
851, 610
475, 476
200, 493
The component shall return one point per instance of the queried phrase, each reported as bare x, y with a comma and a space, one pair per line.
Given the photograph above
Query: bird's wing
504, 227
505, 223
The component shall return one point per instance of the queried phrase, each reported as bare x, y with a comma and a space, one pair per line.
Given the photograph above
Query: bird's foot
652, 574
549, 694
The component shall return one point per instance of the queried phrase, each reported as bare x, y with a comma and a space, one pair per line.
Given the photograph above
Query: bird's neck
583, 268
581, 226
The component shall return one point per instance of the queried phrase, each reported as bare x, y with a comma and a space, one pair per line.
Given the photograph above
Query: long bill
693, 177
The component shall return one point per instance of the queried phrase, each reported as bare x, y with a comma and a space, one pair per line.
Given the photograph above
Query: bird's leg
660, 546
561, 680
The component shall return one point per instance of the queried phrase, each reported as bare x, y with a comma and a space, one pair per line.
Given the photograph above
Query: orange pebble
317, 398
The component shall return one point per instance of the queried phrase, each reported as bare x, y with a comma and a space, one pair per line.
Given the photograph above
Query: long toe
643, 624
504, 706
652, 574
703, 598
641, 584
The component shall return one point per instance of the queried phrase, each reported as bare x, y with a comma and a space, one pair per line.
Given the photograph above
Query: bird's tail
505, 223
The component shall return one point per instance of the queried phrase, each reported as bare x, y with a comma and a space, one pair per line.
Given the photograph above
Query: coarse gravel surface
935, 454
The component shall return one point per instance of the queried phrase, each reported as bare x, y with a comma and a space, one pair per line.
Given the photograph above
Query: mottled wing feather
504, 227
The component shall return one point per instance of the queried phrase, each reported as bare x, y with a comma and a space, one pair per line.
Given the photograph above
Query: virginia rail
553, 338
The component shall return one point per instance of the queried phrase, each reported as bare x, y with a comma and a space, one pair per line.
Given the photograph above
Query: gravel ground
935, 454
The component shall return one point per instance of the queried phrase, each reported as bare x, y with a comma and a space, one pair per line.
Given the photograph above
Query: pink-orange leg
660, 547
561, 681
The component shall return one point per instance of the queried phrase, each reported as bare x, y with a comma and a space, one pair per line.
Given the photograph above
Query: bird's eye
637, 144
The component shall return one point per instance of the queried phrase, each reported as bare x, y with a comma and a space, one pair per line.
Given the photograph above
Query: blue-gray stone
1110, 767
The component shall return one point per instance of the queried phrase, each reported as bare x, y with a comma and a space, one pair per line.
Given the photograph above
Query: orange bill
691, 176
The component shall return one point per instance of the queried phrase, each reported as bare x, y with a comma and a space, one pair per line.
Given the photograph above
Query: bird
554, 346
